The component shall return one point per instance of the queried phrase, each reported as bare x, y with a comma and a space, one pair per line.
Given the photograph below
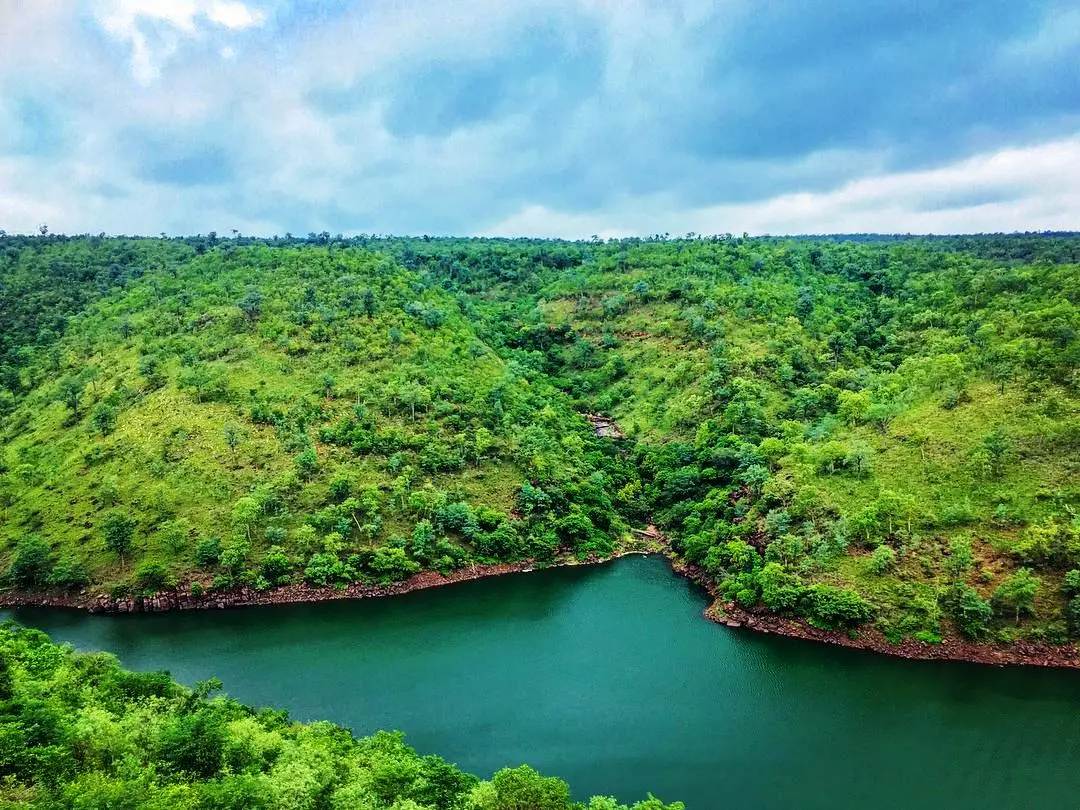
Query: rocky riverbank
184, 599
648, 541
951, 647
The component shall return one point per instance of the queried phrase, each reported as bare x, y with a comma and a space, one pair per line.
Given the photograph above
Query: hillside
852, 431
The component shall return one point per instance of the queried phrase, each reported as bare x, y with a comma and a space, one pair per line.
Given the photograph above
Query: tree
71, 389
1017, 593
32, 563
251, 304
276, 566
521, 788
971, 612
831, 607
118, 531
245, 512
103, 417
960, 558
307, 463
989, 456
233, 435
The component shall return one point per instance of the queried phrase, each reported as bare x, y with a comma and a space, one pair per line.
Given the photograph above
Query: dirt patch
605, 426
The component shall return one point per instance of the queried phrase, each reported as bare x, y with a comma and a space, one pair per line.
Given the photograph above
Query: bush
1016, 594
118, 531
68, 573
970, 611
208, 552
1070, 586
390, 563
780, 591
1072, 616
276, 566
831, 607
325, 568
307, 463
152, 577
103, 417
193, 744
233, 557
32, 563
882, 559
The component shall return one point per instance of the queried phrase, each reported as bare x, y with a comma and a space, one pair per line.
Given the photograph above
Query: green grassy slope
260, 415
851, 431
848, 416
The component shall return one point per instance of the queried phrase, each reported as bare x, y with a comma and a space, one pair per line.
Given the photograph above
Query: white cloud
155, 29
234, 15
1031, 188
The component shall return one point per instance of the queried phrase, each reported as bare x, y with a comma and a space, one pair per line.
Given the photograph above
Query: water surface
610, 678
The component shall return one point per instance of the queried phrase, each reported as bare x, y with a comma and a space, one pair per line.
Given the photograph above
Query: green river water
609, 677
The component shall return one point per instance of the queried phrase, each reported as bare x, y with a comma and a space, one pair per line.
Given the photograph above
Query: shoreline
728, 614
869, 639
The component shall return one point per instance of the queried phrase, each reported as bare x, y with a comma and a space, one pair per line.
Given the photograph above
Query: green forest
79, 732
863, 431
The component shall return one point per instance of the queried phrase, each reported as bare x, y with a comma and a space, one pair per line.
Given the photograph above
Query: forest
864, 431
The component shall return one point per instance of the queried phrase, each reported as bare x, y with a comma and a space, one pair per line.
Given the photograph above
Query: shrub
103, 417
390, 563
208, 552
32, 563
970, 611
1072, 616
780, 591
118, 531
68, 573
327, 569
151, 577
193, 744
882, 559
1017, 593
307, 463
831, 607
276, 566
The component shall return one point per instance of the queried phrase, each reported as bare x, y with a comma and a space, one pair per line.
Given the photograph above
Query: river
609, 677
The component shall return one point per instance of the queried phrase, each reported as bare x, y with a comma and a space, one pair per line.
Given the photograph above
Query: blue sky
539, 118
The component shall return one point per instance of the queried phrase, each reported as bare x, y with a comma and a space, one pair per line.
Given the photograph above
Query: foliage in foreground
77, 731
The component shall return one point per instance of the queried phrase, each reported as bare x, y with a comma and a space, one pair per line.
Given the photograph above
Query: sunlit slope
247, 414
808, 405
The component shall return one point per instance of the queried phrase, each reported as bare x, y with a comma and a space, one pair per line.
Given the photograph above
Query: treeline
77, 731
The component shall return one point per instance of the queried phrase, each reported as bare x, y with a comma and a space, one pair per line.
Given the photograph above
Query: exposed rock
605, 426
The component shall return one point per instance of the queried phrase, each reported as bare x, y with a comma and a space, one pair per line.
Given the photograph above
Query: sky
566, 118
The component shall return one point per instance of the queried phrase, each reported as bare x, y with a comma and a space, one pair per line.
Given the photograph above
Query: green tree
251, 304
233, 436
521, 788
103, 417
971, 612
1017, 593
118, 531
960, 558
32, 563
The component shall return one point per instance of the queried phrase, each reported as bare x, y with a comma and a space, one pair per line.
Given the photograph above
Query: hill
852, 431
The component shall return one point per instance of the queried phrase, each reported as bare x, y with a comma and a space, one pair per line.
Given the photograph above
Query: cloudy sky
563, 118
